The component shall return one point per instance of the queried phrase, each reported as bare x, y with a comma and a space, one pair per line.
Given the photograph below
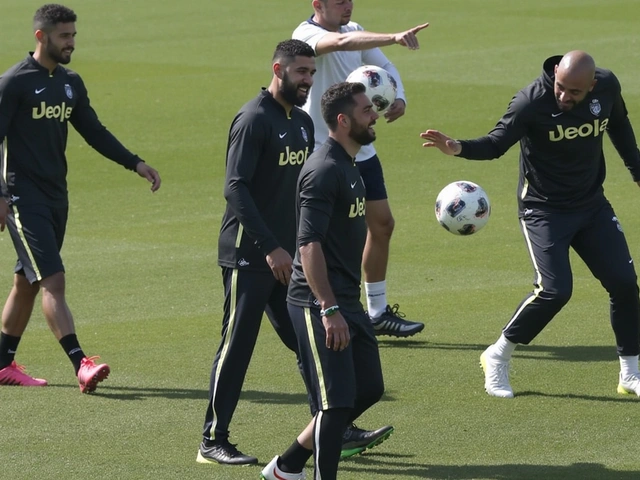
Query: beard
565, 107
289, 92
56, 54
362, 135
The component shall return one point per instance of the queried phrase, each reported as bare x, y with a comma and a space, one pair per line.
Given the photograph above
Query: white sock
376, 298
629, 366
504, 348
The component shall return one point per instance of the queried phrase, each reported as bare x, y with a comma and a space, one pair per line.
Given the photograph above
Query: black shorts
336, 379
37, 232
371, 173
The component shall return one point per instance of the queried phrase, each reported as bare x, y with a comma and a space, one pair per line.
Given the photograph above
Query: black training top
331, 211
35, 106
561, 158
265, 152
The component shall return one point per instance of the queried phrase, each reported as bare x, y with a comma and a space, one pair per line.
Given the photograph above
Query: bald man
560, 120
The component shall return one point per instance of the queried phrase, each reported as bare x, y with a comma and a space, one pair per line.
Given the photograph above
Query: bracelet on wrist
327, 312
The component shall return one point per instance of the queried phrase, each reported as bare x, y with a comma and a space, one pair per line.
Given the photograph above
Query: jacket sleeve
622, 135
85, 120
247, 139
509, 130
9, 102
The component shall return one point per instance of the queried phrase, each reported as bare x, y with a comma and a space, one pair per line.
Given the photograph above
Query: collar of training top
33, 62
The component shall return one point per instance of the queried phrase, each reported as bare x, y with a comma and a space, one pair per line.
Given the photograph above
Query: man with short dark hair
560, 120
338, 347
269, 141
38, 98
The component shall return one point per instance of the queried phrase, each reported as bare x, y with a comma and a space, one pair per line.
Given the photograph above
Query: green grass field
146, 293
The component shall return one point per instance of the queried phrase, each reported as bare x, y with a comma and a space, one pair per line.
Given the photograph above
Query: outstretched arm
510, 129
363, 40
444, 143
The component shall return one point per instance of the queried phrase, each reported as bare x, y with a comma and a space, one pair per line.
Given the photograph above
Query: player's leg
380, 223
323, 434
246, 295
15, 317
547, 237
43, 229
603, 247
278, 314
60, 320
369, 386
330, 380
290, 465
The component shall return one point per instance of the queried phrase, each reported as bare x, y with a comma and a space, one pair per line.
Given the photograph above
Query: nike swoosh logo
554, 115
282, 135
40, 90
276, 476
354, 184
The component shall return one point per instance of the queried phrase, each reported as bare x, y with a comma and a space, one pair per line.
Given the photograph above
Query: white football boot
496, 374
629, 385
272, 472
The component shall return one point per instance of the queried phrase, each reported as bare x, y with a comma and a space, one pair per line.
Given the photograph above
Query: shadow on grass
383, 464
572, 396
577, 353
142, 393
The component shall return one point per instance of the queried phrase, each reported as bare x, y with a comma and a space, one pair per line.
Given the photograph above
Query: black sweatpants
351, 378
597, 237
247, 295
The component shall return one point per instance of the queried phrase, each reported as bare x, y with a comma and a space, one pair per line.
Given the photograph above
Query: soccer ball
462, 207
381, 86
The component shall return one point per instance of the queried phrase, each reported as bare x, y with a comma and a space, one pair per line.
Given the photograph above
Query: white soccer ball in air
381, 86
463, 207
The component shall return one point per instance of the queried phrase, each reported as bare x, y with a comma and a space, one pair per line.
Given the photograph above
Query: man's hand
337, 330
395, 111
150, 174
280, 263
4, 212
439, 140
408, 38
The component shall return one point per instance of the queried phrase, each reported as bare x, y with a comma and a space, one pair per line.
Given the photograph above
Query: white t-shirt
334, 68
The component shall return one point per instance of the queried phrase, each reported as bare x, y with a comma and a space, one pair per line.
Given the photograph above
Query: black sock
293, 460
8, 347
72, 348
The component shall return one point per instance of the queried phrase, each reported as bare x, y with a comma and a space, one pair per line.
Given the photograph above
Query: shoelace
91, 360
20, 368
394, 311
231, 449
353, 428
500, 374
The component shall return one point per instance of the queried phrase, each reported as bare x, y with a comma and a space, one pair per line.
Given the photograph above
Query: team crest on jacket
304, 134
68, 90
595, 107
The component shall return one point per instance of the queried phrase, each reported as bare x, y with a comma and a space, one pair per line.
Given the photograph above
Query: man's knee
53, 284
23, 288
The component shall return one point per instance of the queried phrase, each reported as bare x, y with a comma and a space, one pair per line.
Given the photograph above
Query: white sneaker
496, 374
629, 385
272, 472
